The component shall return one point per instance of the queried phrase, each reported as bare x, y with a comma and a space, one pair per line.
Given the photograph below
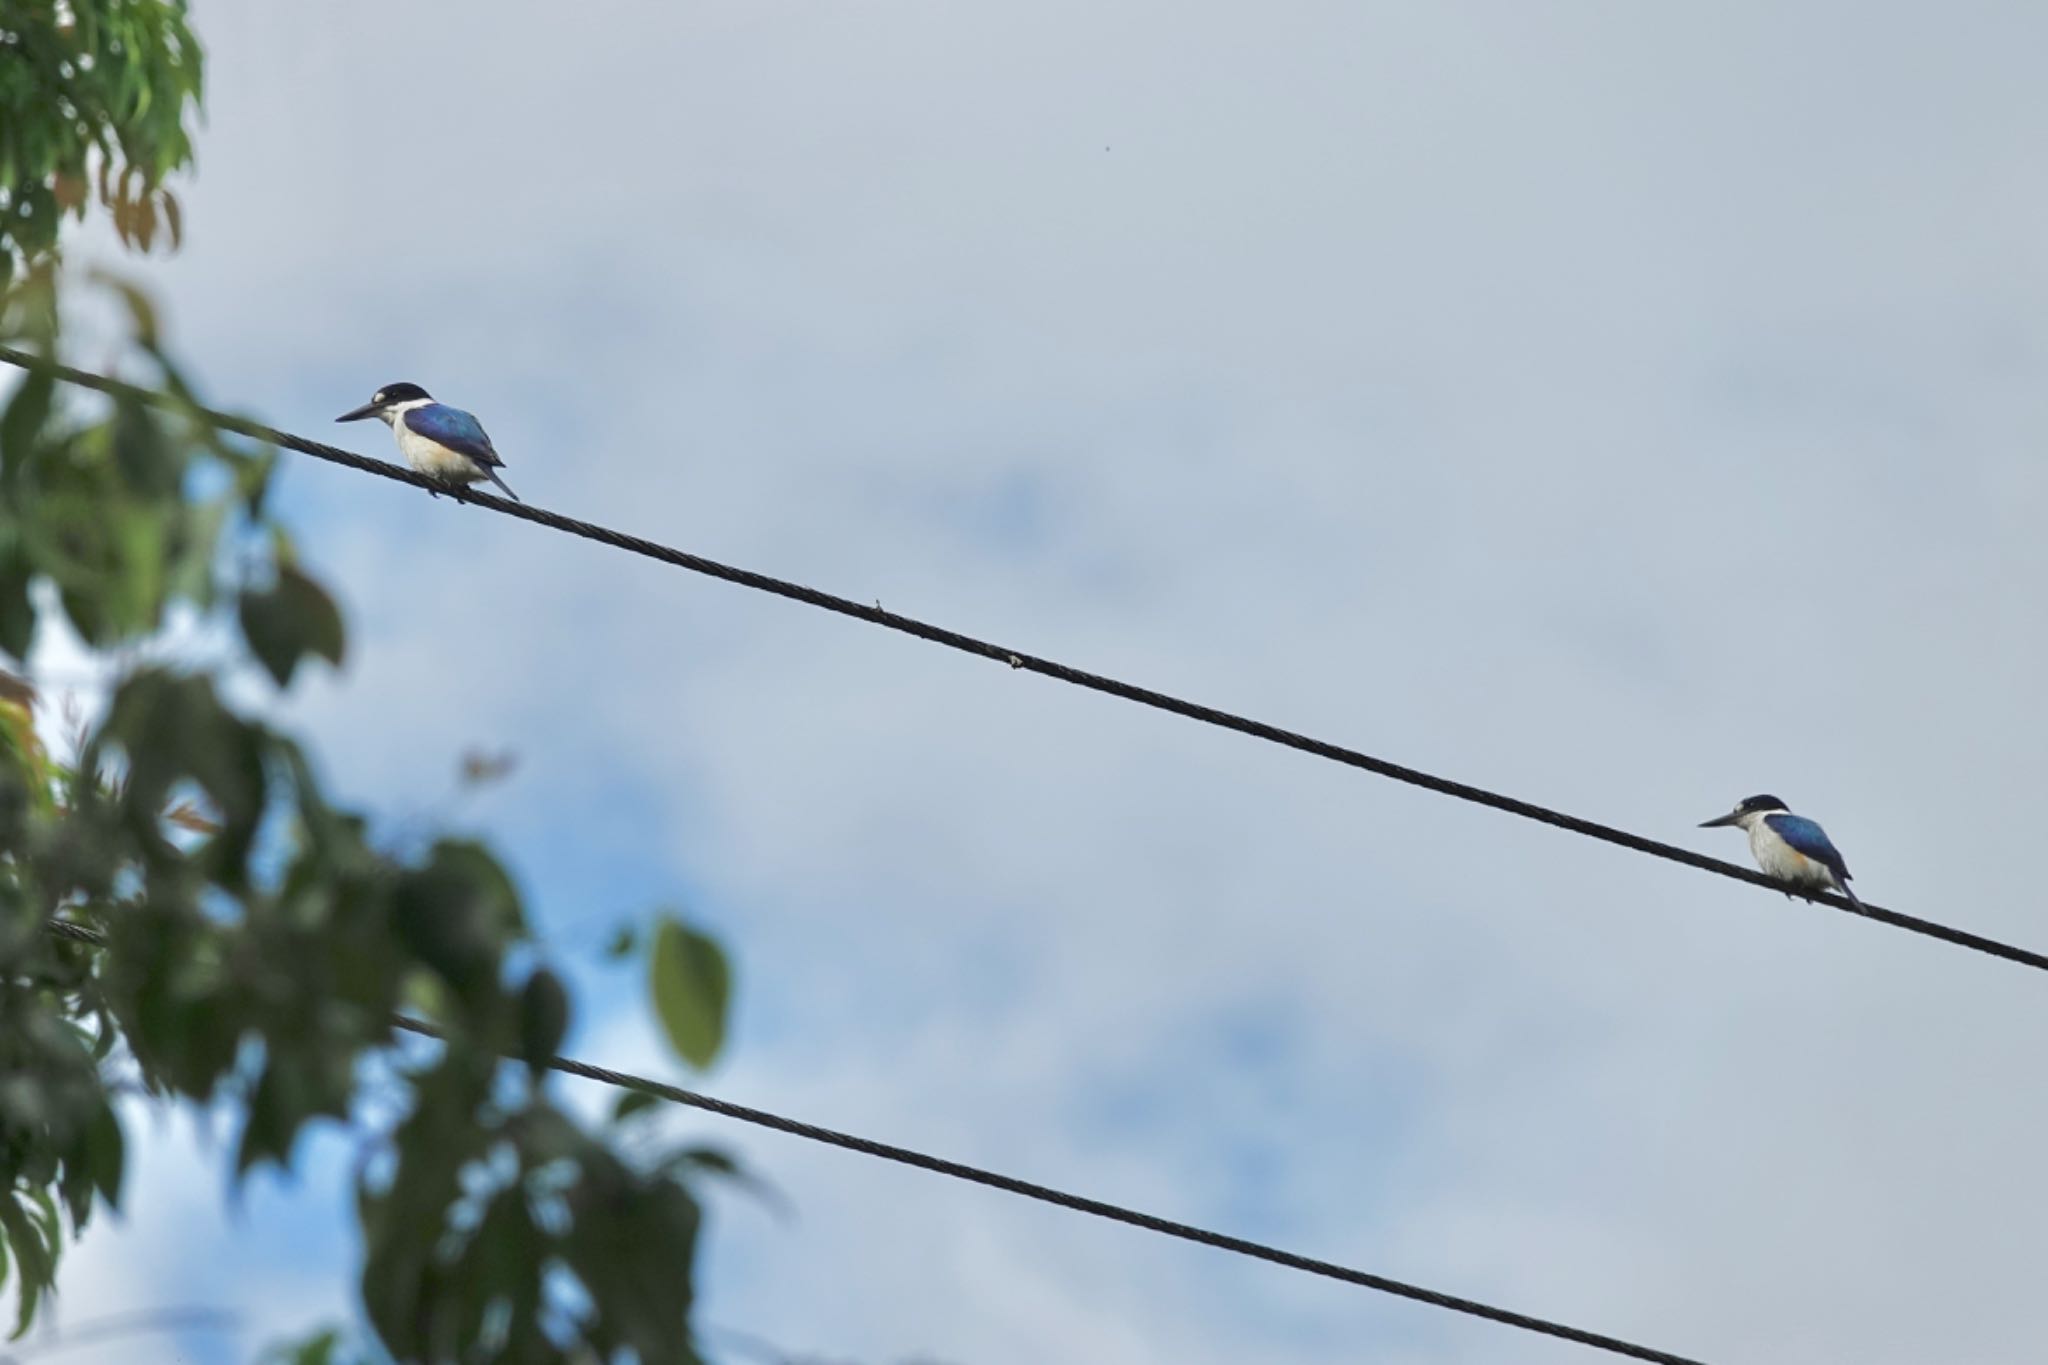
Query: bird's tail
1843, 886
492, 475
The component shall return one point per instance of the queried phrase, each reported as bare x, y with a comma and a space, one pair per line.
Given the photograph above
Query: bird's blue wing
1809, 838
454, 428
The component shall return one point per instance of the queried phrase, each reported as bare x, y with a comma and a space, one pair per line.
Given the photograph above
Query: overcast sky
1632, 407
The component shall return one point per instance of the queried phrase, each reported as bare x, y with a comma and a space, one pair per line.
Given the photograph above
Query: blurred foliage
252, 941
258, 942
94, 98
690, 983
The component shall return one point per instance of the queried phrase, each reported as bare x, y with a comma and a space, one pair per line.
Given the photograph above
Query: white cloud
1625, 408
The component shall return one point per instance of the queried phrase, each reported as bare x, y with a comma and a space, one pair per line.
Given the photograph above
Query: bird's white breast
1783, 861
429, 456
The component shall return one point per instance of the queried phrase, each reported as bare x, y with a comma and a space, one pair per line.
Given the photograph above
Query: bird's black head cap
400, 392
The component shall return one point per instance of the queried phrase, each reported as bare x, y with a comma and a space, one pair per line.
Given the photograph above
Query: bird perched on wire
439, 441
1789, 847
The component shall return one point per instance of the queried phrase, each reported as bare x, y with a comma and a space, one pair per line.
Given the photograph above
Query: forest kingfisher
1789, 847
442, 442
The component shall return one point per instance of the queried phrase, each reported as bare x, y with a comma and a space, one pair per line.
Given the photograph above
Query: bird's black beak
1730, 818
358, 414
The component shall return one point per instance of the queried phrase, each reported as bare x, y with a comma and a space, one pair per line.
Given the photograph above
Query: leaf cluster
257, 941
250, 941
94, 95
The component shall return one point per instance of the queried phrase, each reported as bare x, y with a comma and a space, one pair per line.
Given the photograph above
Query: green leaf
543, 1019
425, 996
444, 925
149, 460
715, 1161
108, 1149
289, 621
318, 1349
195, 541
174, 730
141, 311
631, 1103
134, 590
276, 1109
691, 984
21, 428
17, 612
34, 1260
456, 915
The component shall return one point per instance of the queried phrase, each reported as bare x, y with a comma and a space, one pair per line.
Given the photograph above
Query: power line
1031, 663
1077, 1203
1045, 1194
